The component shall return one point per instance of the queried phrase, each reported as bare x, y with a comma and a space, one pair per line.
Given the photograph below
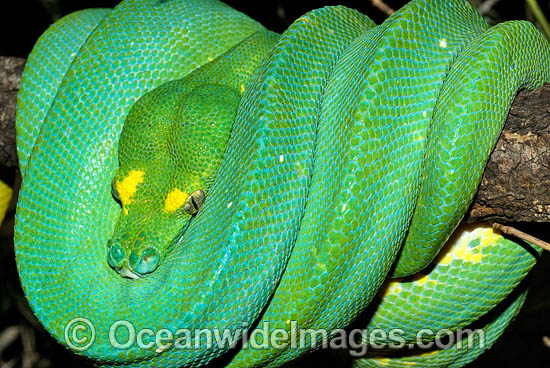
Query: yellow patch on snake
393, 288
242, 89
126, 188
396, 286
174, 200
428, 353
383, 361
464, 251
426, 280
489, 237
461, 251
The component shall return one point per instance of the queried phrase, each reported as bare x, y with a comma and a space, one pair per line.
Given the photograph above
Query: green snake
186, 169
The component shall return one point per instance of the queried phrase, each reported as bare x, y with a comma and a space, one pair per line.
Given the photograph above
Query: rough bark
515, 186
516, 183
10, 76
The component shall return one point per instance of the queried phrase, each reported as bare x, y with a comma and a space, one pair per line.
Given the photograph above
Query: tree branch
515, 186
10, 76
516, 183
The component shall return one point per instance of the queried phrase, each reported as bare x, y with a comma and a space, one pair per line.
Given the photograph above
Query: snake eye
114, 192
194, 202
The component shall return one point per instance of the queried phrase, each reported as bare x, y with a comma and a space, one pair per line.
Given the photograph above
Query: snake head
171, 145
152, 217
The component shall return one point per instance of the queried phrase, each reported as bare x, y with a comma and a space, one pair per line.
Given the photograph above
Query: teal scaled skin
353, 152
169, 150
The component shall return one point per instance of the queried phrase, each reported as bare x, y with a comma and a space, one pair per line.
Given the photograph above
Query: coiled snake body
329, 158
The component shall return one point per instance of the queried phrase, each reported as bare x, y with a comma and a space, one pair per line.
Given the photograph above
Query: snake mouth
126, 272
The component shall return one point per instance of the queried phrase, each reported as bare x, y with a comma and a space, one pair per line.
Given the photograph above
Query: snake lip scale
186, 169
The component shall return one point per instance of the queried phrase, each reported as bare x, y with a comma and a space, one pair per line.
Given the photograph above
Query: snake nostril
115, 254
145, 263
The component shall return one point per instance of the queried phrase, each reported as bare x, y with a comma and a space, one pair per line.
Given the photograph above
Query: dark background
22, 22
